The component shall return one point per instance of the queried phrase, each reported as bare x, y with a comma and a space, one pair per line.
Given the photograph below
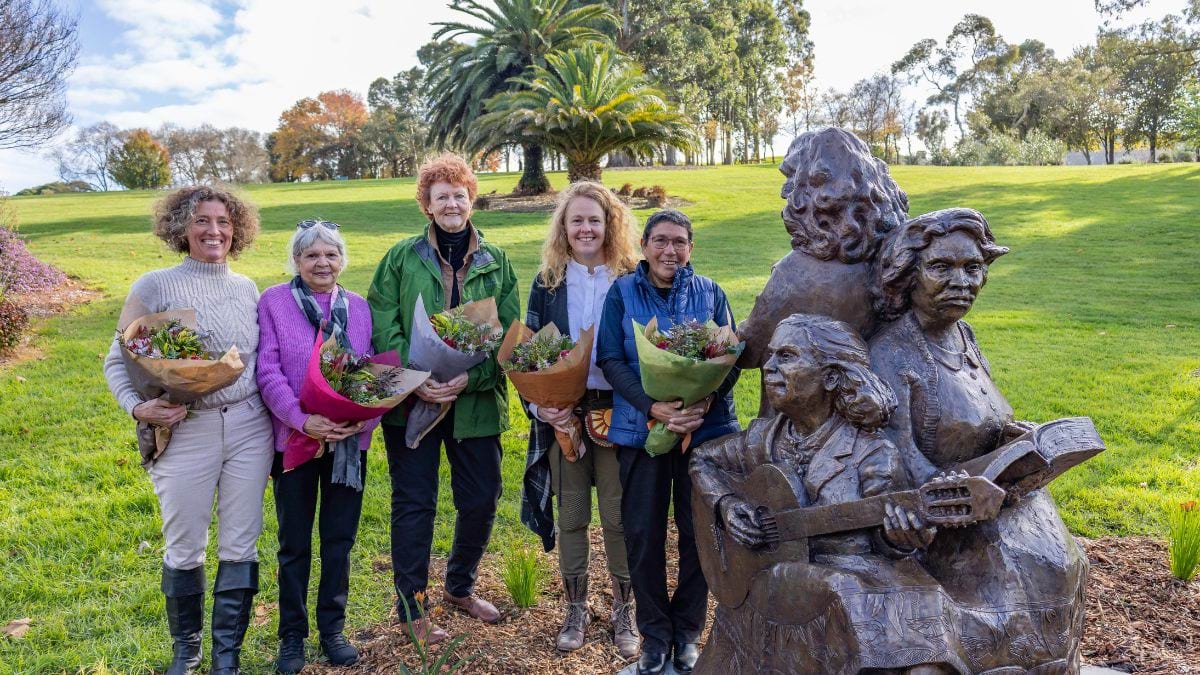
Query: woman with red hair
447, 265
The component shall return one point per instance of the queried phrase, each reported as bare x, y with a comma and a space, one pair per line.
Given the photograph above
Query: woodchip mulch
1139, 620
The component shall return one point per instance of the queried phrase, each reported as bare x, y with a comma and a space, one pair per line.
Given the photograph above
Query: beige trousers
224, 453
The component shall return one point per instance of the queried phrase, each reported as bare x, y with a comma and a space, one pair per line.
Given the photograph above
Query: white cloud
82, 97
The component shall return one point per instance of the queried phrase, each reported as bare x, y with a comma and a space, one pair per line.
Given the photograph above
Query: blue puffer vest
693, 296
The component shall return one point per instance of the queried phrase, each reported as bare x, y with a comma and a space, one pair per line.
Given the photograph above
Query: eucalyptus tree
583, 104
511, 39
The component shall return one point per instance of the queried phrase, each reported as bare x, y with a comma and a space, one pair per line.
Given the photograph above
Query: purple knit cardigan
285, 342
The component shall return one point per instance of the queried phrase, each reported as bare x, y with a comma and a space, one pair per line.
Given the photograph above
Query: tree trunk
577, 171
533, 177
1153, 145
621, 158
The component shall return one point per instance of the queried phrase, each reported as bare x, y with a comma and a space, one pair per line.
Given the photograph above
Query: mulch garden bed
1139, 620
514, 203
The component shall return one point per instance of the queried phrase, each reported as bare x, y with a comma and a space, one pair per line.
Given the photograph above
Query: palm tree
514, 37
586, 103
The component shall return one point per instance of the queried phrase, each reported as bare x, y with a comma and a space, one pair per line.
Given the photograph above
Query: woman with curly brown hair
222, 449
591, 242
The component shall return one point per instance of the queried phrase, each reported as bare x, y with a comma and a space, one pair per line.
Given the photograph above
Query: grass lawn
1095, 312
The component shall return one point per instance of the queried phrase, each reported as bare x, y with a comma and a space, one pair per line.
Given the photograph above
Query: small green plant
523, 575
1184, 526
443, 661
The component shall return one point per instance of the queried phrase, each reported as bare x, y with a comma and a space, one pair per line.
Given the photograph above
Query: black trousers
296, 495
649, 485
475, 483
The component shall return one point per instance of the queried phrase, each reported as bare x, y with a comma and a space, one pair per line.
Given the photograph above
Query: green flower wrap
670, 377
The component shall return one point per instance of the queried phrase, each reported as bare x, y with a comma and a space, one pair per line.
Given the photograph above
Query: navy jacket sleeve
610, 355
723, 316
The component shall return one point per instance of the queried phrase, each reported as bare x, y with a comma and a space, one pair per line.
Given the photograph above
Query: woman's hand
433, 391
741, 521
677, 418
454, 387
159, 413
345, 431
905, 529
320, 427
559, 418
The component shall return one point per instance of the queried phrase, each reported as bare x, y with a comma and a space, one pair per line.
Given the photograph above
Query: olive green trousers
572, 484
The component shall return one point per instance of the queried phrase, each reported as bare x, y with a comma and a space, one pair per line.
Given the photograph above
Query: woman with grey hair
220, 449
289, 318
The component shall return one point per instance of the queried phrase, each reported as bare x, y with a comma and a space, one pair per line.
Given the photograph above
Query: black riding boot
184, 590
233, 597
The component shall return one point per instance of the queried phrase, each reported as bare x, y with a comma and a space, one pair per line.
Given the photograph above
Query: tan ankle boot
571, 635
625, 632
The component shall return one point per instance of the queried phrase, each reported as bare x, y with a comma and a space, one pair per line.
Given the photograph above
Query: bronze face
948, 278
794, 382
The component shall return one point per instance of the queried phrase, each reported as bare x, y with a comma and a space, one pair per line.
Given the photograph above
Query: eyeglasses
660, 243
313, 222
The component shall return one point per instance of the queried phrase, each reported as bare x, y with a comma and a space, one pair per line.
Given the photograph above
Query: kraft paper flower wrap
559, 386
427, 351
179, 381
670, 377
317, 397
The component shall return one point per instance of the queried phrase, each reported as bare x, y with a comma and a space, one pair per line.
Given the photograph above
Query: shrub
481, 203
625, 190
523, 575
656, 196
1164, 158
13, 322
640, 192
998, 149
1125, 161
1182, 155
57, 187
20, 272
1184, 528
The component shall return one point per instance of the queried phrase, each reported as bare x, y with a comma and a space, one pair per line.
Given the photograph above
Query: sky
242, 62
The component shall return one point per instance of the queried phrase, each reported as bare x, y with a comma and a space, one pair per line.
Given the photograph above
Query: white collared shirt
585, 305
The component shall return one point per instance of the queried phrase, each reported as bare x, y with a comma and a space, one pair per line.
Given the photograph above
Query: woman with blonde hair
591, 242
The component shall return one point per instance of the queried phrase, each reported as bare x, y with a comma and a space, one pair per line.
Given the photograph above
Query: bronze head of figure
840, 199
935, 265
816, 367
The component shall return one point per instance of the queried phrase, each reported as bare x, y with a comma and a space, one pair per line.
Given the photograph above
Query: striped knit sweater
225, 304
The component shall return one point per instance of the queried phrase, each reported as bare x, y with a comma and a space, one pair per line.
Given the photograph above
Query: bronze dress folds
859, 603
1016, 581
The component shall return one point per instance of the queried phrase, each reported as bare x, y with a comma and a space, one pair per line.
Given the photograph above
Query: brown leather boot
579, 615
625, 632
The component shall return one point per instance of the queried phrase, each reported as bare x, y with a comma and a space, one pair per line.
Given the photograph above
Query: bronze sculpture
1017, 580
862, 529
841, 202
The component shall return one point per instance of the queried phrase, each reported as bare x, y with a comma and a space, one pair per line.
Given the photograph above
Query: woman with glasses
289, 318
221, 447
446, 265
663, 286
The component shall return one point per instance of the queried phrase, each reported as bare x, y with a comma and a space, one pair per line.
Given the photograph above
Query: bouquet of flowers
550, 370
686, 363
166, 357
447, 345
346, 387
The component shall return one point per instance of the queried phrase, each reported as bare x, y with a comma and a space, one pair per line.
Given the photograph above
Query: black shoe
233, 598
291, 654
339, 650
651, 662
685, 657
184, 591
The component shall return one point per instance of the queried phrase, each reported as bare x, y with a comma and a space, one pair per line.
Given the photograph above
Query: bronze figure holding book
892, 517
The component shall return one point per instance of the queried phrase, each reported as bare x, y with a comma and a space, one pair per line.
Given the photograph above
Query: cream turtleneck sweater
226, 307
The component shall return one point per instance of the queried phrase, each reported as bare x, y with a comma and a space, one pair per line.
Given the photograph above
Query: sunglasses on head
313, 222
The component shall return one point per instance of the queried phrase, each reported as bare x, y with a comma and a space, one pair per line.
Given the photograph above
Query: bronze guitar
955, 500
